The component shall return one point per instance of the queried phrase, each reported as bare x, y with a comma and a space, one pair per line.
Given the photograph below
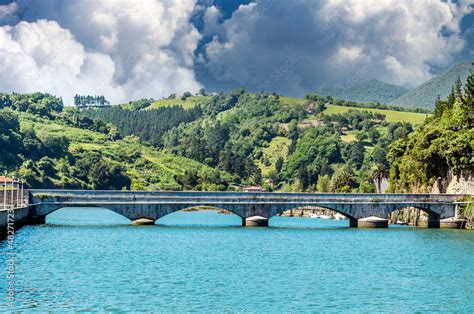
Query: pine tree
451, 99
468, 97
458, 88
439, 107
279, 164
303, 177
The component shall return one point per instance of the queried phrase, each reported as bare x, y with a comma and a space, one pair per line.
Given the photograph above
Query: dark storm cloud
333, 43
151, 48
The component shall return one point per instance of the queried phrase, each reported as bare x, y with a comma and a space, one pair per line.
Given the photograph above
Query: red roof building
5, 179
253, 189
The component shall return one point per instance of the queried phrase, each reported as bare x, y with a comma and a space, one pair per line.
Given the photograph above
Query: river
94, 260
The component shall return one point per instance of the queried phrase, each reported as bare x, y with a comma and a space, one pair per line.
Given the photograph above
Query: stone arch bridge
154, 205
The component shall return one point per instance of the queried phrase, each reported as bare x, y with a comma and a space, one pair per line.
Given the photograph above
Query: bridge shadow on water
93, 217
85, 216
102, 217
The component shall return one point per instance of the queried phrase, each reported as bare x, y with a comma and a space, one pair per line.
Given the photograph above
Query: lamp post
13, 191
5, 191
18, 193
22, 194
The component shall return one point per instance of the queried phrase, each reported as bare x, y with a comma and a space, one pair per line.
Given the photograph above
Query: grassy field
390, 115
348, 136
278, 147
291, 100
143, 163
186, 104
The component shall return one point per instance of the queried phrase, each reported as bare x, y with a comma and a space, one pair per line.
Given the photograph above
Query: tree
279, 164
468, 98
190, 179
186, 95
451, 99
354, 154
458, 88
202, 92
378, 172
442, 146
106, 176
303, 177
373, 135
439, 107
324, 184
293, 134
343, 179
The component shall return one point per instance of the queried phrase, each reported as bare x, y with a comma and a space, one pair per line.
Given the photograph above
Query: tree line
83, 101
442, 145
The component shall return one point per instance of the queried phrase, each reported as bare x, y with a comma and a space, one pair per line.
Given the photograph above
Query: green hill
442, 147
414, 118
217, 142
49, 146
190, 102
365, 91
424, 96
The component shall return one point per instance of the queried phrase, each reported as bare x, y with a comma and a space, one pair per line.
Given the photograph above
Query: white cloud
146, 48
42, 56
337, 42
7, 12
123, 50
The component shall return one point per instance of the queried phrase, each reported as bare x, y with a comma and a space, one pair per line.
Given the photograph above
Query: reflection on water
90, 259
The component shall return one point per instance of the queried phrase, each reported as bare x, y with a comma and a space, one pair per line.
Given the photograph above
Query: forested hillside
424, 96
265, 139
224, 141
365, 91
48, 145
444, 143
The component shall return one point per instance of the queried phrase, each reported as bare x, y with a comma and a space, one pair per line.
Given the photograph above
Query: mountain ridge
424, 95
365, 91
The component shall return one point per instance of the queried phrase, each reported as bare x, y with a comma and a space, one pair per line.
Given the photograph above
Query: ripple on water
89, 259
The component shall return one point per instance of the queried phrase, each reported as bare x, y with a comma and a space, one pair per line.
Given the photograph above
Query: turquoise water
92, 259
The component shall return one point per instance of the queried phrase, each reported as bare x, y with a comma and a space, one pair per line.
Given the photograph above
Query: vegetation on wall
232, 139
49, 146
443, 143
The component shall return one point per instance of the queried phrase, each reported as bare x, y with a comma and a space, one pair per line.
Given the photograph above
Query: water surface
92, 259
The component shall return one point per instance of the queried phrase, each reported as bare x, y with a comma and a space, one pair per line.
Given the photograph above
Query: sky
128, 50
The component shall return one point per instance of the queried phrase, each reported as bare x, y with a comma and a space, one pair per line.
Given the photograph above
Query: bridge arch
55, 210
223, 217
287, 207
134, 212
164, 210
432, 219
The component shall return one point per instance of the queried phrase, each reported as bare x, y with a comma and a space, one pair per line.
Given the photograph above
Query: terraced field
186, 104
391, 115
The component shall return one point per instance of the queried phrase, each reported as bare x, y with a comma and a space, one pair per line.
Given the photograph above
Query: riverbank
202, 261
12, 219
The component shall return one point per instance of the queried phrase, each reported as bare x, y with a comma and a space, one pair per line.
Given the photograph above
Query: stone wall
9, 197
19, 216
462, 184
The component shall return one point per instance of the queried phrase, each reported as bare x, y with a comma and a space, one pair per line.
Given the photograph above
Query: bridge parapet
154, 205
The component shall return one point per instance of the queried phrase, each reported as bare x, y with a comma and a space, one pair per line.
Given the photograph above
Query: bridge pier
433, 221
143, 222
353, 223
452, 223
372, 222
369, 222
36, 220
255, 221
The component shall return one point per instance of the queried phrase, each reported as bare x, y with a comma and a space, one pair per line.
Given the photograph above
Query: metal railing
12, 194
